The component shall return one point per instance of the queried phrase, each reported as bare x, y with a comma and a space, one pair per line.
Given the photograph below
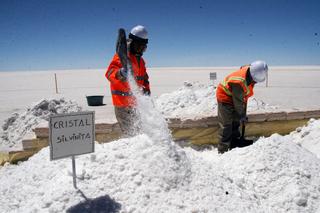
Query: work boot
240, 142
235, 143
222, 148
244, 142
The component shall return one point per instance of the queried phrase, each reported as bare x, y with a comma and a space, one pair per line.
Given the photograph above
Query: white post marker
213, 76
267, 79
71, 134
55, 81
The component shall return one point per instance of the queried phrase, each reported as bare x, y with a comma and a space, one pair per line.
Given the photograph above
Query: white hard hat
139, 33
258, 71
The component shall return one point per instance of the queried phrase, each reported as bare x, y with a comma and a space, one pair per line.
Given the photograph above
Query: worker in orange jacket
122, 97
232, 97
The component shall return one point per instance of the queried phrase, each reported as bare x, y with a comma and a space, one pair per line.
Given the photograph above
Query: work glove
123, 72
244, 119
146, 92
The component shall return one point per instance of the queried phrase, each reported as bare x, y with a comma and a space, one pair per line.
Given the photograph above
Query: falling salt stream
153, 124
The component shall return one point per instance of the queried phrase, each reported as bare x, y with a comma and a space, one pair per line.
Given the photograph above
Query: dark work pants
229, 122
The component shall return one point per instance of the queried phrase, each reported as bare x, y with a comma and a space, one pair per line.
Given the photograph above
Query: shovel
243, 141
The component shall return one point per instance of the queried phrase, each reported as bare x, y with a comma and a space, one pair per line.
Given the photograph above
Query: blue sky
67, 34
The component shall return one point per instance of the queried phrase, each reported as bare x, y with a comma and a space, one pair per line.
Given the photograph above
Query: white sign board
213, 75
71, 134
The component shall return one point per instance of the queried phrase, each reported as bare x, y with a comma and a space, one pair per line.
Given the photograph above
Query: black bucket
95, 100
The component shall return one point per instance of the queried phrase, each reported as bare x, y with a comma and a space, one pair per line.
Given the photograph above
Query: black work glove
244, 119
146, 92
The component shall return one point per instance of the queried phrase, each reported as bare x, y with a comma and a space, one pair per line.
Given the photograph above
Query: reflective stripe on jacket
224, 91
120, 90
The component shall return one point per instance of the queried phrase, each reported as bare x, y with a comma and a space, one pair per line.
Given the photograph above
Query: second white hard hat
258, 71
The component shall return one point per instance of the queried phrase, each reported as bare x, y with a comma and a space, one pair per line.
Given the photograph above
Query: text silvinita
73, 138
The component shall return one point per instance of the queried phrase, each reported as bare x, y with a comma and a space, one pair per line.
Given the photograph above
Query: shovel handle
243, 129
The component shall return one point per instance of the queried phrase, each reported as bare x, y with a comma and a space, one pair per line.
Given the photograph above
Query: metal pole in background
74, 172
55, 79
213, 77
267, 78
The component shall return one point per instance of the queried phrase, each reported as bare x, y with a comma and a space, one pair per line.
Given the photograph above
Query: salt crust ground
287, 87
150, 173
191, 101
276, 174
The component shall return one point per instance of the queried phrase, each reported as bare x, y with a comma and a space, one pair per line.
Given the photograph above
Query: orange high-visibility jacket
224, 91
120, 90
